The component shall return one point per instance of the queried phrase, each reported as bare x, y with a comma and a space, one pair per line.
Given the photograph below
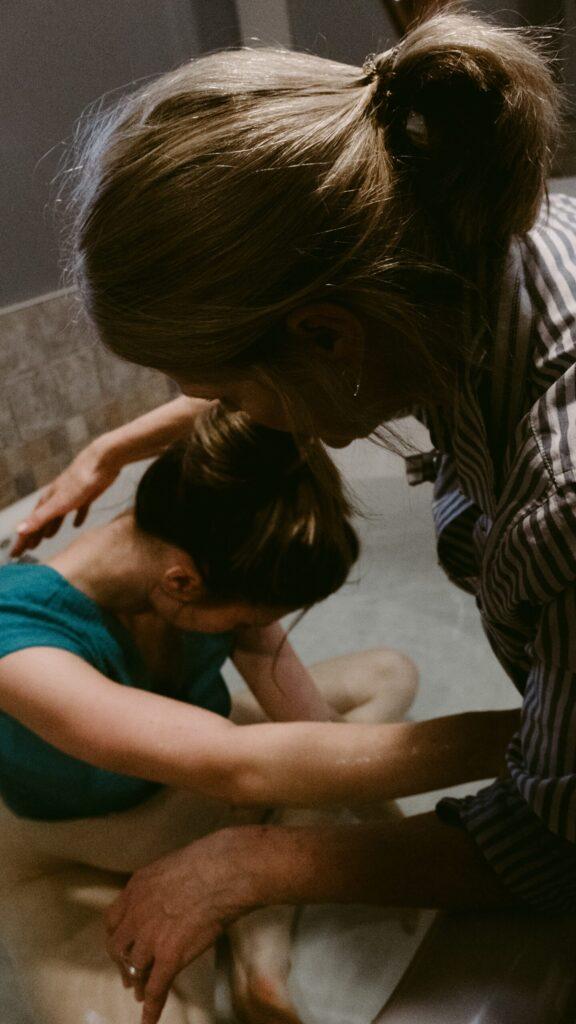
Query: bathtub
357, 965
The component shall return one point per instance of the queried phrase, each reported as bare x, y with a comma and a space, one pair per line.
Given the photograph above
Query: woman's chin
343, 440
338, 442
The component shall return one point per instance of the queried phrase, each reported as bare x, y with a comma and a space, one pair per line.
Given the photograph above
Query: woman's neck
114, 565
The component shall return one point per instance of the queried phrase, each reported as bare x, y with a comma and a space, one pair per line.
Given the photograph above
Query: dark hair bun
263, 522
487, 108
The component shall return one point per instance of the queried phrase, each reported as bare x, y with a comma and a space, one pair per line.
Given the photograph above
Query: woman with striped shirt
325, 247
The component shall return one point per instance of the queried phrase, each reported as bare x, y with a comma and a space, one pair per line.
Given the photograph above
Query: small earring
356, 389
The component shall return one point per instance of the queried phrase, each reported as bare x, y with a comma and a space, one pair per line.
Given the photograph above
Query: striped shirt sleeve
525, 822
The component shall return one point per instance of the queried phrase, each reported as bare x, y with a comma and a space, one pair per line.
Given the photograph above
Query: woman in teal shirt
113, 708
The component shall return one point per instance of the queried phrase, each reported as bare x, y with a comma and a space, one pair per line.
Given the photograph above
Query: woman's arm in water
96, 467
74, 707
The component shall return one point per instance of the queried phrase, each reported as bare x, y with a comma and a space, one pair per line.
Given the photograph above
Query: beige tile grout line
36, 299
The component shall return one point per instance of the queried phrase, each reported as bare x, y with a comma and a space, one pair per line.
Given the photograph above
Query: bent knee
394, 683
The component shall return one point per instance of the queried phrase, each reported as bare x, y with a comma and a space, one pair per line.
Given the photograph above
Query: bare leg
377, 685
369, 686
53, 929
55, 881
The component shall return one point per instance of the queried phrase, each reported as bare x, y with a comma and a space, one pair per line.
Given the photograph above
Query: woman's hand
174, 909
98, 465
92, 471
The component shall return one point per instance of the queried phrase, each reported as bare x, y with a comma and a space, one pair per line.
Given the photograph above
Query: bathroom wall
57, 60
348, 31
57, 389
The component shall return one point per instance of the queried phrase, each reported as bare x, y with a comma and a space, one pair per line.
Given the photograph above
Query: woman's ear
182, 582
335, 331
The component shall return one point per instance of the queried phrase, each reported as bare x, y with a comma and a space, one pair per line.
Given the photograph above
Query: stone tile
14, 343
5, 469
49, 469
31, 454
77, 431
7, 493
75, 380
138, 402
9, 432
119, 377
12, 454
59, 444
116, 376
98, 420
35, 404
25, 483
60, 390
60, 323
114, 414
42, 331
111, 415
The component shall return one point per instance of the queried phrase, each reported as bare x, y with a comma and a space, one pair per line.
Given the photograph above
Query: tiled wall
58, 390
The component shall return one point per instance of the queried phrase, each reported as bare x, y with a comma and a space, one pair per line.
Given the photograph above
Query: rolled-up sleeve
525, 822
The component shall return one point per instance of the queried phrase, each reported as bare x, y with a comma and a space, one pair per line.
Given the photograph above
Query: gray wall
57, 391
56, 58
59, 56
348, 31
524, 12
342, 31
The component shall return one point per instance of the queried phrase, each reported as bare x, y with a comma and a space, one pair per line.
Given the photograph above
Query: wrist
106, 452
381, 864
292, 865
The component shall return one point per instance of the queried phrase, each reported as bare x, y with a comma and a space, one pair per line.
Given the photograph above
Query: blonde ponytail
487, 109
221, 196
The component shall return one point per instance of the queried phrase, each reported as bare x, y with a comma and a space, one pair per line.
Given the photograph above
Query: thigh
53, 930
115, 842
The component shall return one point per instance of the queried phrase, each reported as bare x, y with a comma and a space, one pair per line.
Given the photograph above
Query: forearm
281, 684
75, 708
148, 435
300, 764
417, 861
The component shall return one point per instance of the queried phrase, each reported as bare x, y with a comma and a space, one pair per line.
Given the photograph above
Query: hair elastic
382, 69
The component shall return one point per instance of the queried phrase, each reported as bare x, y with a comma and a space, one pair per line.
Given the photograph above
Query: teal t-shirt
39, 608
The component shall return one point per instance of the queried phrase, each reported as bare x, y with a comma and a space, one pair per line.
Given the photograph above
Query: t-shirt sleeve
37, 619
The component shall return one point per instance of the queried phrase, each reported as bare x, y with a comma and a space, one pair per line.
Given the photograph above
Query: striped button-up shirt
506, 530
